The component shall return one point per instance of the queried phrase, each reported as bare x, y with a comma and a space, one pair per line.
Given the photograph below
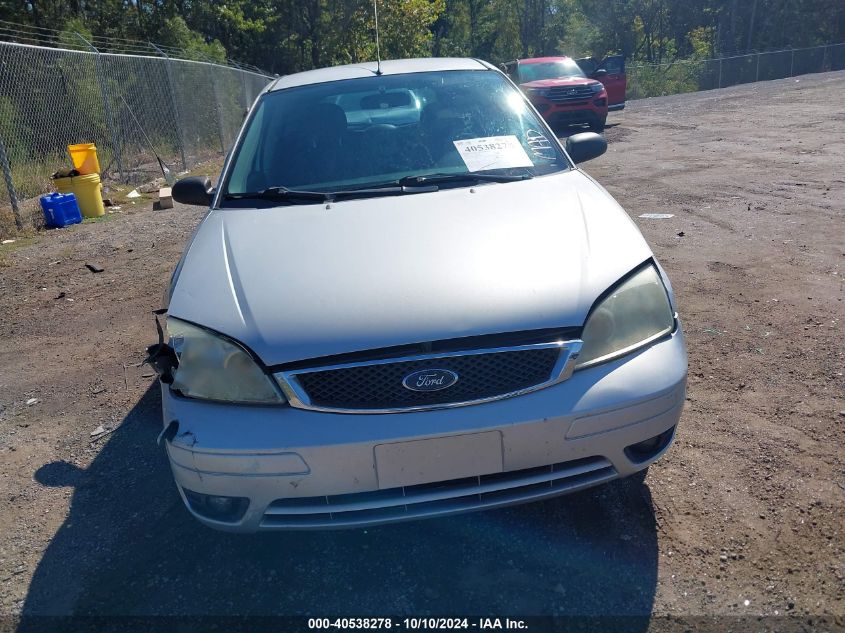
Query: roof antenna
378, 49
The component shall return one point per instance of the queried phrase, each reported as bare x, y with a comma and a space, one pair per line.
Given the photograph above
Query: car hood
560, 81
298, 282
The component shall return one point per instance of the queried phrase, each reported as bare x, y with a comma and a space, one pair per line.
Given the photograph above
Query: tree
285, 36
175, 33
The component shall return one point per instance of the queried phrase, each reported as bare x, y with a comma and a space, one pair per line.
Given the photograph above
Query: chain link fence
653, 80
188, 111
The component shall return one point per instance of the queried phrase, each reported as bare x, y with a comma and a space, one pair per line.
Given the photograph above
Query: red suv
565, 94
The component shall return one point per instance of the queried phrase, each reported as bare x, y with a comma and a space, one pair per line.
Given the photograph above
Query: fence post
171, 93
757, 76
792, 63
7, 176
219, 109
720, 72
111, 122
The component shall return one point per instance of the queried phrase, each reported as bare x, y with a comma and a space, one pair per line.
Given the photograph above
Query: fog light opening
650, 448
217, 507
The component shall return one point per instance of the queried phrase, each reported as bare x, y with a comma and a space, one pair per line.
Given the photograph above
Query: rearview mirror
580, 147
195, 190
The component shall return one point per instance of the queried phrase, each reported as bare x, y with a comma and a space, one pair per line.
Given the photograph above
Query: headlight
596, 87
538, 92
214, 368
634, 314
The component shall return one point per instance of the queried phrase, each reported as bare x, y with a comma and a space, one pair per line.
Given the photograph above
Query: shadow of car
128, 547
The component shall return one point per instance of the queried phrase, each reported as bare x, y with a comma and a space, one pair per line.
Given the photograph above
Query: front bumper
590, 112
306, 470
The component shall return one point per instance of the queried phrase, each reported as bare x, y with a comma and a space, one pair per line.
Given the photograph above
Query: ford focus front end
382, 321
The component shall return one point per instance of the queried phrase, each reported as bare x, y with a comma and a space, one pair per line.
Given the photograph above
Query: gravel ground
743, 517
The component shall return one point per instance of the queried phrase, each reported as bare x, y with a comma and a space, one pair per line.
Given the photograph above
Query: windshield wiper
283, 193
280, 193
409, 184
426, 183
471, 176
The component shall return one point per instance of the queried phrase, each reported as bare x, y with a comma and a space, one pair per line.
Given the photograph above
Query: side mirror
195, 190
601, 72
582, 147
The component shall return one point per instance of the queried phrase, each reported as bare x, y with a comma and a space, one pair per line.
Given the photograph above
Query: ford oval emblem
430, 380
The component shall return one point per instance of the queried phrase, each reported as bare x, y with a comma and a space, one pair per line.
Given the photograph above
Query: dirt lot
744, 516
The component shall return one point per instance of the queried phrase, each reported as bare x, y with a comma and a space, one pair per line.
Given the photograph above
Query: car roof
368, 69
542, 60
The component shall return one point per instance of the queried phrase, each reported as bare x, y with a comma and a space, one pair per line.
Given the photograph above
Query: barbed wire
697, 60
44, 36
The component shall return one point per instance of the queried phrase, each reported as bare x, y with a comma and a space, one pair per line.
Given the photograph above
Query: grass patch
7, 249
108, 217
31, 216
118, 193
33, 219
210, 168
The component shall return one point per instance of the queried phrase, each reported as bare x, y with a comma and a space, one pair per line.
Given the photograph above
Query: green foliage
347, 30
13, 129
701, 40
664, 79
286, 36
507, 43
582, 36
175, 33
69, 35
405, 26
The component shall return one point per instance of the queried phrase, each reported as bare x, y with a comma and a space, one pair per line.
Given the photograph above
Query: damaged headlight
634, 314
214, 368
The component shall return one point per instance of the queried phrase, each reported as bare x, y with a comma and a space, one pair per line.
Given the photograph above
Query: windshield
549, 70
359, 133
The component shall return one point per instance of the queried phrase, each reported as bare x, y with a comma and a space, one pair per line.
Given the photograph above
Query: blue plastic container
60, 209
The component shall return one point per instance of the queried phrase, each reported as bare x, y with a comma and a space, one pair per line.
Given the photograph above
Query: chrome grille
439, 498
567, 94
377, 386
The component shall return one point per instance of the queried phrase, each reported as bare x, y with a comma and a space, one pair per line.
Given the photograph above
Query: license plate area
438, 459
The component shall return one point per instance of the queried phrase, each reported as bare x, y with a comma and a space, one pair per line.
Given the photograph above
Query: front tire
598, 126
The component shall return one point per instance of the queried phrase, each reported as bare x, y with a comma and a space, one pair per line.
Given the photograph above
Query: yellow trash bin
88, 191
84, 157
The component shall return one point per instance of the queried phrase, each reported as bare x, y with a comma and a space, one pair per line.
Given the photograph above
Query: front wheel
598, 126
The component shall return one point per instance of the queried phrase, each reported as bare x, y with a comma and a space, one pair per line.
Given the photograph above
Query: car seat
311, 147
443, 122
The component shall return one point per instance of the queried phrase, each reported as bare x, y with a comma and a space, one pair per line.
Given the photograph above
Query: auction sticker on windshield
492, 152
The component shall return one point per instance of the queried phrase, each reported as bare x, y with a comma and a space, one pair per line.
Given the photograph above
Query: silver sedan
419, 313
